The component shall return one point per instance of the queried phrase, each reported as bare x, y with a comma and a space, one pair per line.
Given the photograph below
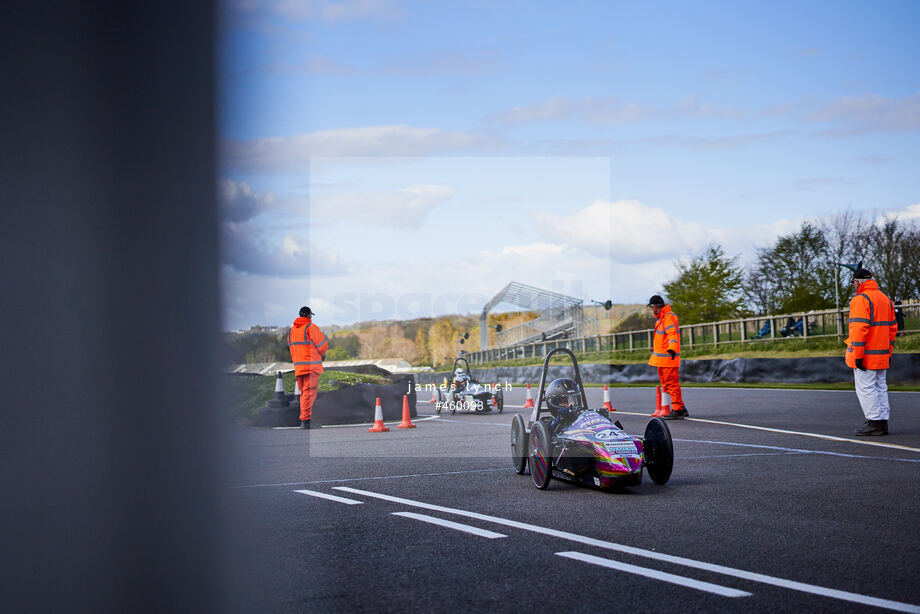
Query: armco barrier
905, 369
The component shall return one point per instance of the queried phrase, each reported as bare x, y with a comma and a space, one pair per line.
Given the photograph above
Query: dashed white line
456, 526
678, 560
322, 495
656, 575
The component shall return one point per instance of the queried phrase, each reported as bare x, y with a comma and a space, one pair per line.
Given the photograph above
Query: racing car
466, 393
566, 440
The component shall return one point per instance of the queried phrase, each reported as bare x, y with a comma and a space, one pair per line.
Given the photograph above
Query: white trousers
872, 392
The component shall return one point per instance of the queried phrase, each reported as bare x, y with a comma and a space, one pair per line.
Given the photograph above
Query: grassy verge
784, 348
247, 394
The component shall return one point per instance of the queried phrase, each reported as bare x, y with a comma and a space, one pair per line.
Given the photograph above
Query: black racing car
467, 394
564, 439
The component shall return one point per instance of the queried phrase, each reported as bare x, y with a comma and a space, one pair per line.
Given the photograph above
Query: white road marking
761, 389
379, 477
322, 495
451, 525
678, 560
655, 574
879, 444
804, 434
863, 442
799, 450
589, 390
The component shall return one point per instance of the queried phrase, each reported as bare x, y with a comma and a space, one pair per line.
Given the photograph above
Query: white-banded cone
665, 403
378, 420
279, 386
529, 401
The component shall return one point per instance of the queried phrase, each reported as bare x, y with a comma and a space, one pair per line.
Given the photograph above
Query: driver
460, 379
563, 398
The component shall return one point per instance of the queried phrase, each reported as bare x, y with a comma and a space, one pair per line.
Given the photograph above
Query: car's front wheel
518, 445
541, 455
658, 450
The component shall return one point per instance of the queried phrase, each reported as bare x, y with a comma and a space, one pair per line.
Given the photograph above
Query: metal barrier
826, 323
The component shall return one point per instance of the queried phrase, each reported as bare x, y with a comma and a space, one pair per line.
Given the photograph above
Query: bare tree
892, 255
911, 261
794, 274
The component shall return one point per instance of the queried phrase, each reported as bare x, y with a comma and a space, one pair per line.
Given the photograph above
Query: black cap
305, 312
655, 300
862, 274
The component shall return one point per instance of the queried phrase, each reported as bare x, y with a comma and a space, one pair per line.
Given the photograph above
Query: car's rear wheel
658, 450
541, 455
500, 400
451, 401
518, 445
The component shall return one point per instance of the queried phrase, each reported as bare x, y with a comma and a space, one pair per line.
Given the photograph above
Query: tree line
421, 341
799, 270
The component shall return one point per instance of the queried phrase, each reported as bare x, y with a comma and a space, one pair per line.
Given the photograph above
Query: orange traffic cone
378, 420
434, 395
407, 417
657, 402
529, 401
607, 404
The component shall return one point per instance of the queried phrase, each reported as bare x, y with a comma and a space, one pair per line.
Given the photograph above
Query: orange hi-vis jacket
308, 347
666, 337
872, 327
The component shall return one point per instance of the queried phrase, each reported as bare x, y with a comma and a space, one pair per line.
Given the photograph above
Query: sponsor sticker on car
621, 448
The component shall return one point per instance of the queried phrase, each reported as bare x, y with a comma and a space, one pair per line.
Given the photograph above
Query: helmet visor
569, 400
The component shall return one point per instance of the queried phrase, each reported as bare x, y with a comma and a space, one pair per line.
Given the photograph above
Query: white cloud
872, 112
238, 202
248, 249
606, 111
450, 283
407, 207
628, 231
292, 154
909, 213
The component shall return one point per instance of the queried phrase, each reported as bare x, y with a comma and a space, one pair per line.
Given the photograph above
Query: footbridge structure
558, 315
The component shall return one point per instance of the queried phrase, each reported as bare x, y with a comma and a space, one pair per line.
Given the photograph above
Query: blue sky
405, 159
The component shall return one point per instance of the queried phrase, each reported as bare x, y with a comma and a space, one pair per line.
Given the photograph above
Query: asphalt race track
435, 519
